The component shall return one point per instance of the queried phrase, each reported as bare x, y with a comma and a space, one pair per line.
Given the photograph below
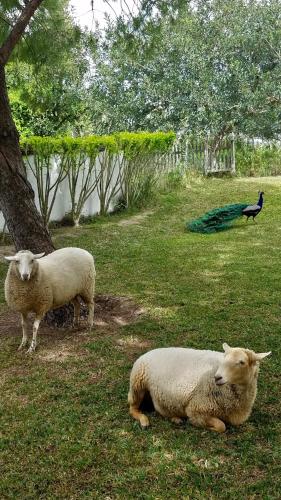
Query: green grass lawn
65, 431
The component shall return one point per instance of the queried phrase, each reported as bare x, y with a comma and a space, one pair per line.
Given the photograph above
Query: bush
258, 160
175, 178
129, 143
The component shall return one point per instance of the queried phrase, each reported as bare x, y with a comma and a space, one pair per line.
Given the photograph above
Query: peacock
221, 218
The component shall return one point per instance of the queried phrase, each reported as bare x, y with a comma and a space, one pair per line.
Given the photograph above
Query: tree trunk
17, 199
16, 195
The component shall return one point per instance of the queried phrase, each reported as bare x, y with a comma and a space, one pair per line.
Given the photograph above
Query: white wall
62, 204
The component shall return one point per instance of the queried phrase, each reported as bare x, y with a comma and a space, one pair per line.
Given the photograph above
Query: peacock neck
260, 202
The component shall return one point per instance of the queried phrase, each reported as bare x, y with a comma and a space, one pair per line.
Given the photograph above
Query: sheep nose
218, 378
25, 277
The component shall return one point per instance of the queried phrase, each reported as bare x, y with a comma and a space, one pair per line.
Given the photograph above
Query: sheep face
25, 263
239, 366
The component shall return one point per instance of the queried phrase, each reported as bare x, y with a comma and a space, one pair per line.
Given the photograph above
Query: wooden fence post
233, 163
206, 155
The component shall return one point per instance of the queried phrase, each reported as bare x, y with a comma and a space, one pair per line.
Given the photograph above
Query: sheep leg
215, 424
24, 331
88, 298
34, 336
135, 399
212, 423
91, 307
76, 305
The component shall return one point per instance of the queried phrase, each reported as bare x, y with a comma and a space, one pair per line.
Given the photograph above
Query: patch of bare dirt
61, 354
135, 219
120, 311
9, 324
132, 342
110, 312
132, 346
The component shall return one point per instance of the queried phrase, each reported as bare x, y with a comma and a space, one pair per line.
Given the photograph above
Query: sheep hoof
144, 422
215, 424
144, 427
219, 428
31, 349
177, 420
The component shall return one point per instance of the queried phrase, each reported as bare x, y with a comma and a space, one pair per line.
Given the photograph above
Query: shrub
260, 160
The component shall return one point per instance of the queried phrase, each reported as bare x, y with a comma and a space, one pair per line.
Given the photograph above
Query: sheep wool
188, 383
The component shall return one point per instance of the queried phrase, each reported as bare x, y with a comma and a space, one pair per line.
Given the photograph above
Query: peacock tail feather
217, 219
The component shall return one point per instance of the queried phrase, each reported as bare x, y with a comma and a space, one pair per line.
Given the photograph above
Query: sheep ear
226, 347
38, 255
11, 258
261, 355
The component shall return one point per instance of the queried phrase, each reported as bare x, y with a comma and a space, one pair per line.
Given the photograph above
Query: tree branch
17, 30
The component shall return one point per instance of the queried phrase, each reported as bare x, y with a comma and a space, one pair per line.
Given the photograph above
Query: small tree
111, 164
48, 155
82, 176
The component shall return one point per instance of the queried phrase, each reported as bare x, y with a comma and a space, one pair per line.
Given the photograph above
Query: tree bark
17, 199
16, 195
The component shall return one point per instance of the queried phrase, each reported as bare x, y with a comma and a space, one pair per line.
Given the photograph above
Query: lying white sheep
208, 387
37, 284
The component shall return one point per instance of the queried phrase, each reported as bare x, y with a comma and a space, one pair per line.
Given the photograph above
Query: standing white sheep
37, 284
208, 387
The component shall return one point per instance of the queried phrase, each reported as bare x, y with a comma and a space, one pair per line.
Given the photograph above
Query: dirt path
135, 219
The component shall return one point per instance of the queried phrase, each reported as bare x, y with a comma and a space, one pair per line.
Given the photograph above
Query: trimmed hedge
129, 143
